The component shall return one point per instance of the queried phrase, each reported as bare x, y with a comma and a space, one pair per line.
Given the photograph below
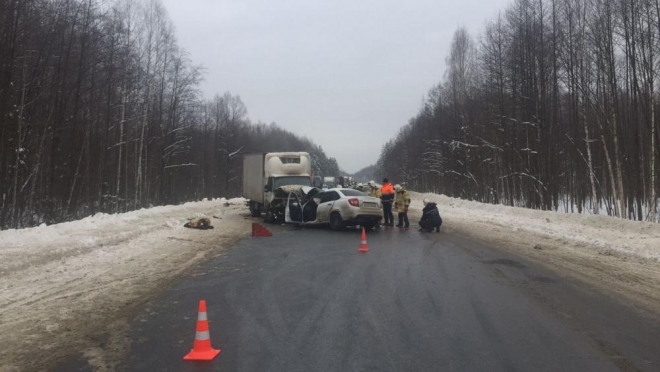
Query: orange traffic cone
363, 244
202, 349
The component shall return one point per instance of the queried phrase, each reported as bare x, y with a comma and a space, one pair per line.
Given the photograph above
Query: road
306, 300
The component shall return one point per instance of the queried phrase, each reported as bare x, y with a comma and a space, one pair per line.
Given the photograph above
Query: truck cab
267, 177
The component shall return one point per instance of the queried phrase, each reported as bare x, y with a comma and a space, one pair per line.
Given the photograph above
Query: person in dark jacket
430, 217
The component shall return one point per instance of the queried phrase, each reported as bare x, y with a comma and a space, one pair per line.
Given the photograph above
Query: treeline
365, 174
553, 106
100, 112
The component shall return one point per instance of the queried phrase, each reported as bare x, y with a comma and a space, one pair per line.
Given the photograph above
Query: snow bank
24, 247
62, 284
608, 235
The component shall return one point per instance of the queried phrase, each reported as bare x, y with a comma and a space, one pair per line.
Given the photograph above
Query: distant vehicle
337, 208
361, 187
330, 181
317, 181
267, 179
340, 181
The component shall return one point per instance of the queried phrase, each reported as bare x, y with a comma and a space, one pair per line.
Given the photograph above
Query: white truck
329, 181
268, 177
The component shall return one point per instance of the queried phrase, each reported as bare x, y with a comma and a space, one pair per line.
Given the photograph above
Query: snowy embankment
604, 234
61, 284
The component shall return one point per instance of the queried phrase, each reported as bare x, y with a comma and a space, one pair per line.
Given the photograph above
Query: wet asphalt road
306, 300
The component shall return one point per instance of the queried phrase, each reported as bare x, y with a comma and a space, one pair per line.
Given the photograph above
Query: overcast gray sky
345, 73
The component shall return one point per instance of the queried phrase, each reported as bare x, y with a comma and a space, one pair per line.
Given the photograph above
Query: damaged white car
337, 208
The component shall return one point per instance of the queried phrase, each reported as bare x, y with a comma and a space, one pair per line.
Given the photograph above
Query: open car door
301, 206
293, 211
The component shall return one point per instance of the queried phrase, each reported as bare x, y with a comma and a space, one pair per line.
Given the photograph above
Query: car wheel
270, 217
336, 223
255, 210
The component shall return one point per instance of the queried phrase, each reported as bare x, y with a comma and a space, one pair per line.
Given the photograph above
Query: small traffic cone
363, 244
202, 349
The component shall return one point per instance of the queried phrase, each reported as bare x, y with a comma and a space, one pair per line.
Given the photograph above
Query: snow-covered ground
59, 284
603, 234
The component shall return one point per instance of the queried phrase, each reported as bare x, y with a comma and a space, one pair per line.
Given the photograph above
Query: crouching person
430, 217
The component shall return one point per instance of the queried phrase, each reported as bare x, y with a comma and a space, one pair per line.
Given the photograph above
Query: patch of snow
52, 277
602, 233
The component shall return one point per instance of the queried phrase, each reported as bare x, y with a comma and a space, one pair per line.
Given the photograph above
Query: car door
325, 206
293, 210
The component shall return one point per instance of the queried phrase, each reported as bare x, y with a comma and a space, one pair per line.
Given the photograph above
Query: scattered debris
201, 223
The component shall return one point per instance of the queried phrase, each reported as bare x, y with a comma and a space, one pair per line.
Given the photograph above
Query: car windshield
293, 180
349, 192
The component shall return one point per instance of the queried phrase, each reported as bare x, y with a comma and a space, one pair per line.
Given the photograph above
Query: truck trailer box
253, 177
281, 168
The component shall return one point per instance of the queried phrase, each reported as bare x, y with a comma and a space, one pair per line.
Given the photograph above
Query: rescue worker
430, 217
374, 190
402, 203
387, 198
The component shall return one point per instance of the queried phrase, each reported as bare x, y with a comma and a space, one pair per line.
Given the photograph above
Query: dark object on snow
201, 223
430, 218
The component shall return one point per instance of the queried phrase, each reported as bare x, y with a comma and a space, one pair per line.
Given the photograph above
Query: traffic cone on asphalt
363, 244
202, 349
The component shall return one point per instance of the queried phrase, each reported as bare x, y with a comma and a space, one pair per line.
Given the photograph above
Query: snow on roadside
24, 247
605, 234
60, 283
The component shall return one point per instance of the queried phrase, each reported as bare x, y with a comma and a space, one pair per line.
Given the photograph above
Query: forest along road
306, 300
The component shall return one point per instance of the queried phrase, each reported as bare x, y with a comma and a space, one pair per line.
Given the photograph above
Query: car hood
304, 192
294, 188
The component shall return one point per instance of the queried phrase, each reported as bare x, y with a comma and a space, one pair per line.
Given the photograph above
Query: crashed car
336, 207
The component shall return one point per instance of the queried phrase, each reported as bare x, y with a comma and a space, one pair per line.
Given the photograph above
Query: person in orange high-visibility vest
387, 197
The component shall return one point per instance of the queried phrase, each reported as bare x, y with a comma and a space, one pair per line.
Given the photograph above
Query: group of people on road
396, 196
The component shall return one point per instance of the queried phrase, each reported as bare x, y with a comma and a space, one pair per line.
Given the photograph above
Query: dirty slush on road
69, 288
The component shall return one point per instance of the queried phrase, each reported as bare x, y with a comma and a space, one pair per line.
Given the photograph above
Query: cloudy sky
345, 73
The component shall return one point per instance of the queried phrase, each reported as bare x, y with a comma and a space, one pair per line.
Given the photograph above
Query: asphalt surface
306, 300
